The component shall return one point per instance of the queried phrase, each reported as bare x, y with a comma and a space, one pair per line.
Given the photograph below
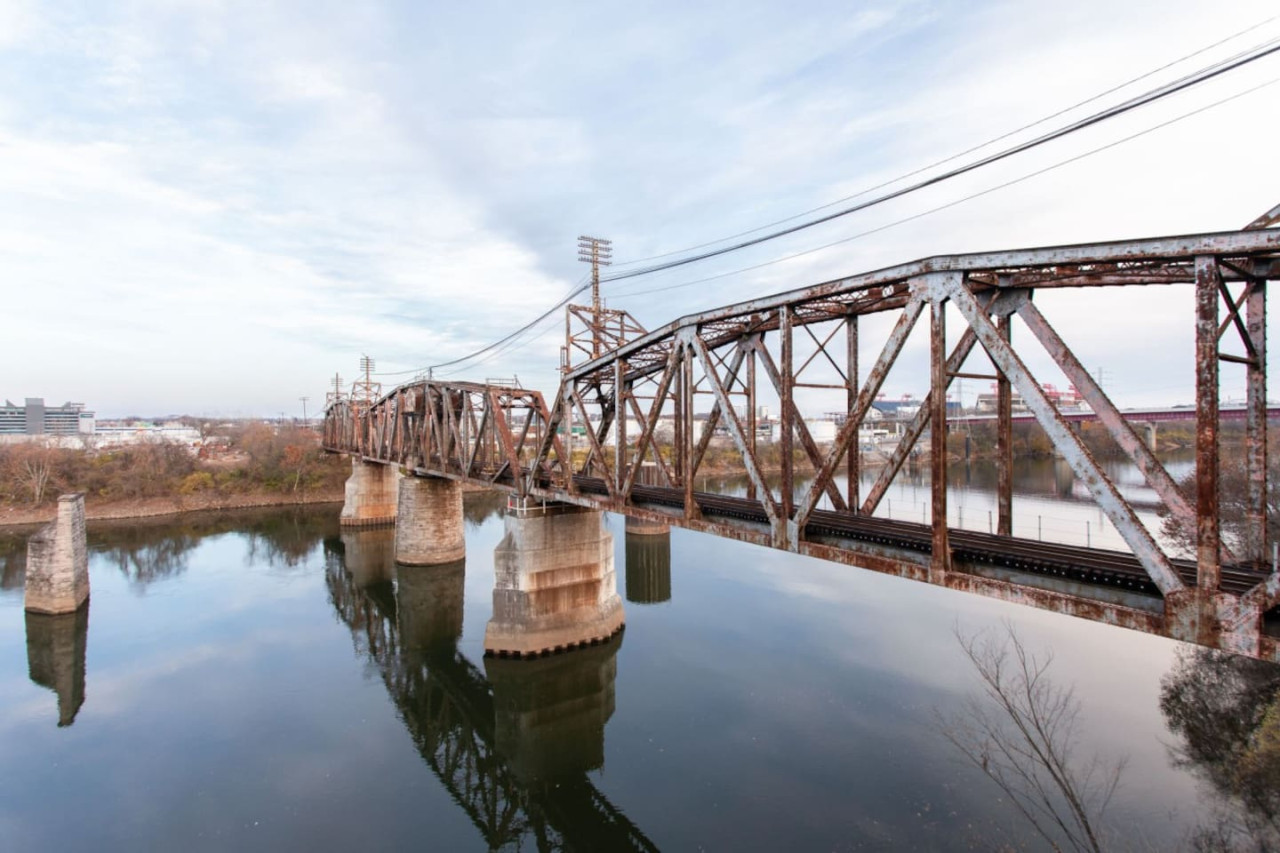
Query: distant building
35, 418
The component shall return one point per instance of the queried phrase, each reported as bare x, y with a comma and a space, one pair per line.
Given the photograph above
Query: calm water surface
263, 681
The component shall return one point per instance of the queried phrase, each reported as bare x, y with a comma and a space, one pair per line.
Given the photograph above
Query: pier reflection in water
56, 645
775, 703
648, 568
513, 743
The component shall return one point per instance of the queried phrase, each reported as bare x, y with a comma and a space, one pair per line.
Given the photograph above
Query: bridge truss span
633, 429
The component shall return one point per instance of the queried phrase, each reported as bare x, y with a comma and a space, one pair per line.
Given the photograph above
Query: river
262, 681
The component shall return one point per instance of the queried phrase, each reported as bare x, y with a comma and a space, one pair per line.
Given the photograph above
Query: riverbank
169, 505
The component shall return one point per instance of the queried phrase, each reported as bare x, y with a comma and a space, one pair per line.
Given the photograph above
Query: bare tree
1021, 730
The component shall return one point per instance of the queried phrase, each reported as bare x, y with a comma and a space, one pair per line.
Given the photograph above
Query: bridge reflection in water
512, 744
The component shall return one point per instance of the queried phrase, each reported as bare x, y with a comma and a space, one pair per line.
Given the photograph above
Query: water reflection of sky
773, 701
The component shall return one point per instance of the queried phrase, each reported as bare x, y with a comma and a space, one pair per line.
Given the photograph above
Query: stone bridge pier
554, 582
371, 495
57, 578
430, 529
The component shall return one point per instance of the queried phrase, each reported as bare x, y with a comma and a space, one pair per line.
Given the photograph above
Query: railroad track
1095, 566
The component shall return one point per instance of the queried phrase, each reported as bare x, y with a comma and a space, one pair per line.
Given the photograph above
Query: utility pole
364, 391
336, 394
304, 411
597, 252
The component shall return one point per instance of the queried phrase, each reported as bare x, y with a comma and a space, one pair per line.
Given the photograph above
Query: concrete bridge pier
429, 522
648, 568
554, 582
58, 561
371, 495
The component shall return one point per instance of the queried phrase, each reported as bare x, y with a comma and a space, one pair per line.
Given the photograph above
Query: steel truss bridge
646, 411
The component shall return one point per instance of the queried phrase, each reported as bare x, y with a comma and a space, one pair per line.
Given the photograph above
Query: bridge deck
1095, 566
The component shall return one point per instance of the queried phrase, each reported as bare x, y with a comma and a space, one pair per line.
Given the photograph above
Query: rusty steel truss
630, 431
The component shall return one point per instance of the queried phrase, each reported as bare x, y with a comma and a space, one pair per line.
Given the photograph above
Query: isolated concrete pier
58, 561
371, 495
554, 582
429, 606
56, 644
648, 568
369, 555
429, 525
550, 714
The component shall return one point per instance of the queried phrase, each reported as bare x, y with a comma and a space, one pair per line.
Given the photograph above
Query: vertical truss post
567, 418
854, 455
620, 393
677, 415
686, 446
1208, 532
1256, 422
938, 431
787, 415
751, 415
1004, 437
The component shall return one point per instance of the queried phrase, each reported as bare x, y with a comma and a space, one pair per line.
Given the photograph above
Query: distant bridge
724, 361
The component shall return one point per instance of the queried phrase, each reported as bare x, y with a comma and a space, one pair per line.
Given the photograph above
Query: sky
211, 207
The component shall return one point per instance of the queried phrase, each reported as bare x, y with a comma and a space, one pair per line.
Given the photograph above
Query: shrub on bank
262, 459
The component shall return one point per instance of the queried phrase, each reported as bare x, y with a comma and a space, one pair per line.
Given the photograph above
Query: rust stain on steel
938, 428
1208, 533
1256, 422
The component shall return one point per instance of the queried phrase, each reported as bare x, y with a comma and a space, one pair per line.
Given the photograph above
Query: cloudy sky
209, 206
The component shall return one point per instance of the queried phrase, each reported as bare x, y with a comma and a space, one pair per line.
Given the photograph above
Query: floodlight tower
599, 253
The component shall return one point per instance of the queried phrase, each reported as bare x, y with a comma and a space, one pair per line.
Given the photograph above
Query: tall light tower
599, 253
304, 400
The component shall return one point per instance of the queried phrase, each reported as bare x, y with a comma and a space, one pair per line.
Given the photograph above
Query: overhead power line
1076, 126
950, 204
1188, 81
1006, 135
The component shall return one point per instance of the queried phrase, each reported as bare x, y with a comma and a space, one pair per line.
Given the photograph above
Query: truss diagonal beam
1138, 538
739, 437
875, 378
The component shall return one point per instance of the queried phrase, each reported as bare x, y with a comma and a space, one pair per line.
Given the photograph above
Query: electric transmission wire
978, 147
581, 287
1187, 81
958, 201
1134, 103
